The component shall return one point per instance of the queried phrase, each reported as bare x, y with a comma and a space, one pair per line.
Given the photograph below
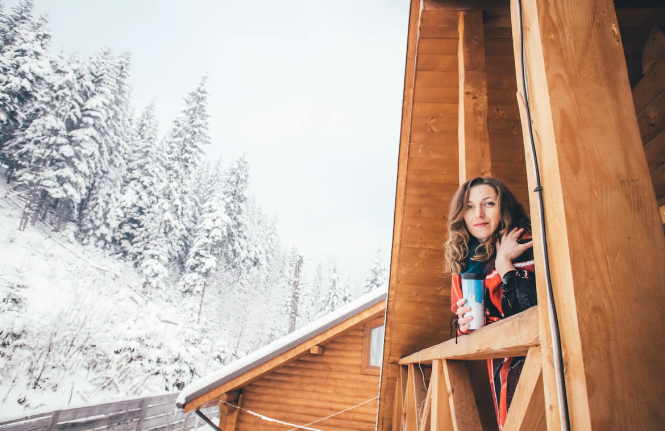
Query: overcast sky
310, 90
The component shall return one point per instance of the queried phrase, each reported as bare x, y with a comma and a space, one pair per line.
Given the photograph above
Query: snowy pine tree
184, 147
24, 65
333, 295
377, 277
99, 215
142, 188
349, 290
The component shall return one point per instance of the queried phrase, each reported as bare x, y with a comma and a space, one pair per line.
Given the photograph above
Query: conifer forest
130, 263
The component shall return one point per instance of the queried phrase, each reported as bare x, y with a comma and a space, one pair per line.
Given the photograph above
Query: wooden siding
313, 387
419, 295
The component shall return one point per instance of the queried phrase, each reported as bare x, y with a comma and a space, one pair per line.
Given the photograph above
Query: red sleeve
455, 292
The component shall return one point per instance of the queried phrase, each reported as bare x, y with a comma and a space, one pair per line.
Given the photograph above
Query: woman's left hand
508, 249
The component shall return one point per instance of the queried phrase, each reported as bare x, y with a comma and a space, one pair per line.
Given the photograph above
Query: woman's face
482, 214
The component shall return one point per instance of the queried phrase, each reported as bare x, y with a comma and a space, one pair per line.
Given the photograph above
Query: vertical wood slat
144, 412
410, 402
595, 178
474, 144
232, 418
527, 409
441, 417
54, 420
425, 413
419, 393
462, 401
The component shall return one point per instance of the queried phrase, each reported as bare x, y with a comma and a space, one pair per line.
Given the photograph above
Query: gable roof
276, 354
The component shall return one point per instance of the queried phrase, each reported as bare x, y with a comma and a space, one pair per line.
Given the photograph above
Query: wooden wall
419, 296
314, 387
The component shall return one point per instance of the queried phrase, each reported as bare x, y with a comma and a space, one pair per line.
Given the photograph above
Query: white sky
310, 90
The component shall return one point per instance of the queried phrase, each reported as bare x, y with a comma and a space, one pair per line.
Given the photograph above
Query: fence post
54, 420
144, 412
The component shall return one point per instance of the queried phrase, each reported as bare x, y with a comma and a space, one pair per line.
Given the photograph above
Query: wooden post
441, 418
474, 141
527, 409
54, 420
144, 412
462, 401
604, 233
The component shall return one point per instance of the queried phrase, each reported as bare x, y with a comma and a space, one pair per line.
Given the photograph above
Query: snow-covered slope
75, 329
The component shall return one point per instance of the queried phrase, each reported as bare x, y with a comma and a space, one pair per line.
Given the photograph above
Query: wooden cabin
328, 368
595, 78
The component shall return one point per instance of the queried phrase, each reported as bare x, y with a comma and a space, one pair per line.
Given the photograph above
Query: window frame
366, 368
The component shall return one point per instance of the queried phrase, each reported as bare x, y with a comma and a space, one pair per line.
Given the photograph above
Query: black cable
206, 420
554, 321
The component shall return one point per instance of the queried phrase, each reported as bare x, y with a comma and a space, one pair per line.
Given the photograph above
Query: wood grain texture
595, 178
463, 409
441, 417
473, 134
508, 338
386, 383
527, 409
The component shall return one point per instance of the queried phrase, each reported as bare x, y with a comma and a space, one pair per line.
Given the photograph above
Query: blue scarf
473, 266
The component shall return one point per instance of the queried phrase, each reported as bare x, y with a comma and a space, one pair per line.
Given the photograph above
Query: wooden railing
448, 402
157, 413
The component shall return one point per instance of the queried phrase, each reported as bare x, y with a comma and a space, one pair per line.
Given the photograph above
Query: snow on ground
73, 325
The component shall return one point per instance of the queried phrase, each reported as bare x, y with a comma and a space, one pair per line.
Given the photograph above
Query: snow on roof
264, 354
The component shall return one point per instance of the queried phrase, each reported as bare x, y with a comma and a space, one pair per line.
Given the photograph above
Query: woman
489, 232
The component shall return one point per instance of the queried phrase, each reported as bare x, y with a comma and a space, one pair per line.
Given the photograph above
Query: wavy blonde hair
456, 247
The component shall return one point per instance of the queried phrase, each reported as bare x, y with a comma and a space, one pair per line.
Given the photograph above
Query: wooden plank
436, 79
527, 409
437, 63
508, 338
99, 409
652, 118
503, 112
466, 4
232, 416
434, 124
142, 415
474, 146
441, 416
435, 31
437, 46
654, 151
654, 48
53, 423
165, 398
422, 109
595, 178
316, 350
424, 413
436, 95
497, 32
463, 409
500, 64
28, 425
501, 81
100, 422
650, 86
496, 18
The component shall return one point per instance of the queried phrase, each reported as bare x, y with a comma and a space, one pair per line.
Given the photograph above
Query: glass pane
376, 346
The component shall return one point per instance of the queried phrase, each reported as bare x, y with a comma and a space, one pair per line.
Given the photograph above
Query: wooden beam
316, 350
400, 196
527, 409
232, 417
595, 177
463, 409
441, 416
419, 395
466, 4
473, 133
507, 338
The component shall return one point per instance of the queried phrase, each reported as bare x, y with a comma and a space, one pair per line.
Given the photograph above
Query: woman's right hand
461, 320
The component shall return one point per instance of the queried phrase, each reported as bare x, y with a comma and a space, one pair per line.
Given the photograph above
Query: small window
376, 346
372, 356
